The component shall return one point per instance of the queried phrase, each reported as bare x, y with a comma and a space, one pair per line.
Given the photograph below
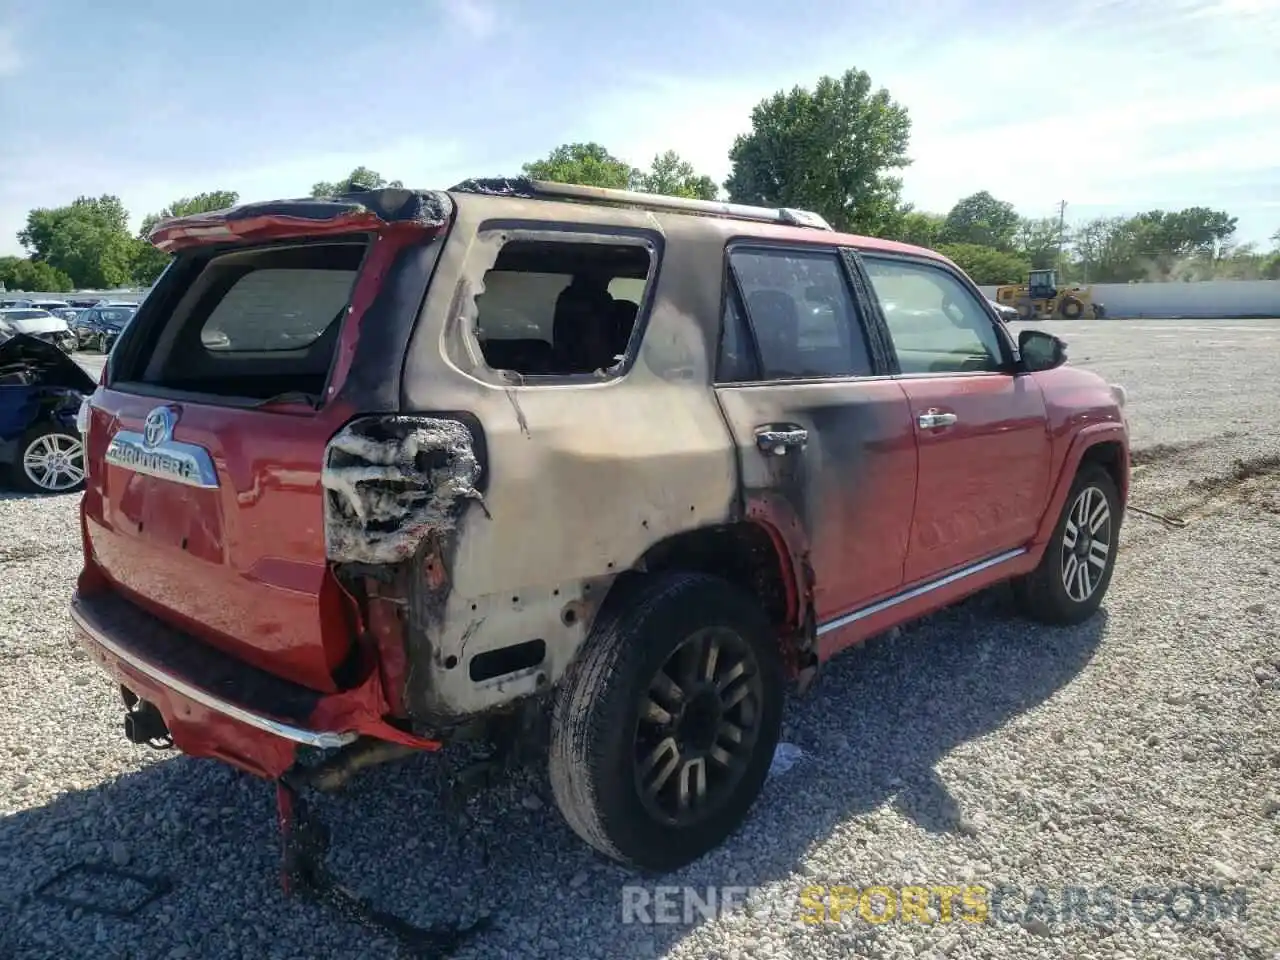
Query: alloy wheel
699, 720
54, 462
1086, 544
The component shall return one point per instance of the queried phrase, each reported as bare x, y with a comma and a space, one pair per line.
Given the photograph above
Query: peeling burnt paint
497, 187
391, 482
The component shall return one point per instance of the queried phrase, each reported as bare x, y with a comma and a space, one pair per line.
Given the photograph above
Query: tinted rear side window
802, 311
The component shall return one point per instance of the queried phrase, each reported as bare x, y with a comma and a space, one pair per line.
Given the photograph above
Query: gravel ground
1138, 750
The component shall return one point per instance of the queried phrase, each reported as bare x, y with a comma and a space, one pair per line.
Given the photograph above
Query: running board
920, 591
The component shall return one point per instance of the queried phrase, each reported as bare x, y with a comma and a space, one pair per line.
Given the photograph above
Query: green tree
1104, 250
586, 164
981, 219
986, 265
361, 178
831, 149
1154, 245
918, 227
1037, 240
674, 177
87, 240
33, 276
148, 261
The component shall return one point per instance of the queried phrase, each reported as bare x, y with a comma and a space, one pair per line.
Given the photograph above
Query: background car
53, 306
40, 324
41, 389
98, 328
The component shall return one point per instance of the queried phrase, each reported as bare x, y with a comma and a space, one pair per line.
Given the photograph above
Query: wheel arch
745, 553
751, 555
1112, 456
1104, 444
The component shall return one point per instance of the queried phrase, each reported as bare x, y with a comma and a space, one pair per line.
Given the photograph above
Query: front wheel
1075, 571
665, 725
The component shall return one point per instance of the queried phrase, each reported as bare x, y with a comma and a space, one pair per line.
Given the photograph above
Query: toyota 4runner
375, 473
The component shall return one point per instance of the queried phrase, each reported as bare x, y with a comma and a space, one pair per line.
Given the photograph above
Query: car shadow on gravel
872, 731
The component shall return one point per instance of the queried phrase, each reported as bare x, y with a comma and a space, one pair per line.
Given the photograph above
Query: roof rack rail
550, 190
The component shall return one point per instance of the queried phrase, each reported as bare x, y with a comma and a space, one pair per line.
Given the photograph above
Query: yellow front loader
1040, 298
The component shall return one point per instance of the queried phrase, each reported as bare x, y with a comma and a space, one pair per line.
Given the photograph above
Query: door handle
933, 417
777, 440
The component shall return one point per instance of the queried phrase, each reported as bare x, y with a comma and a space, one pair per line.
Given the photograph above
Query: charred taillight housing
390, 481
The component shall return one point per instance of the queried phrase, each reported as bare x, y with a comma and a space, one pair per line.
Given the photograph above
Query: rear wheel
665, 725
50, 460
1075, 571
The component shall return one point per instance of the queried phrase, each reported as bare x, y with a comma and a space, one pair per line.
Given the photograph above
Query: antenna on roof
550, 190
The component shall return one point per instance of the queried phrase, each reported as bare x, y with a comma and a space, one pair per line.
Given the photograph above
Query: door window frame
866, 324
493, 234
1008, 349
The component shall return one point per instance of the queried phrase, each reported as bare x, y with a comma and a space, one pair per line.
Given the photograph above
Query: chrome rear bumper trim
323, 739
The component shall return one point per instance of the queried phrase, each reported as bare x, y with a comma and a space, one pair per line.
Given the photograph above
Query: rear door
824, 438
982, 431
207, 441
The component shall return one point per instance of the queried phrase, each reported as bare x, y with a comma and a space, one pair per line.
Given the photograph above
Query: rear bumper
218, 707
156, 675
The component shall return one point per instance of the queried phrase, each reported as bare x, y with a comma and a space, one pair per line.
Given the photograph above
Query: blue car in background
40, 393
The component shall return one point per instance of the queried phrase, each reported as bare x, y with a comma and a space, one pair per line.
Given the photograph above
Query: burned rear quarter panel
581, 479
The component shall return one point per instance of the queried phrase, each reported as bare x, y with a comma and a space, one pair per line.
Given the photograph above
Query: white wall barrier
1207, 298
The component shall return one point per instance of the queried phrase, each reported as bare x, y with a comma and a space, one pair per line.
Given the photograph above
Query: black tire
1025, 310
1043, 594
598, 734
18, 471
1070, 308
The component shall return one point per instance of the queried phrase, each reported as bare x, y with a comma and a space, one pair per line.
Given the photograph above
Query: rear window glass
252, 323
277, 309
115, 316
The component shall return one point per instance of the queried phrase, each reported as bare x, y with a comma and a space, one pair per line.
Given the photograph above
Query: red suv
373, 473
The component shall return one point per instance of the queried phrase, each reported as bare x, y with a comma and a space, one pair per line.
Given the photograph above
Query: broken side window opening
551, 307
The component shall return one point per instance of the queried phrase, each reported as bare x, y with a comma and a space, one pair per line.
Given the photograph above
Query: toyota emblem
158, 427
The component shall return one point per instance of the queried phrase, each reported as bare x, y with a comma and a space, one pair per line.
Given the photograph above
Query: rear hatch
208, 433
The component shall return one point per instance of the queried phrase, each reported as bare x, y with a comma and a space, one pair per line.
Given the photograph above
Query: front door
982, 432
825, 440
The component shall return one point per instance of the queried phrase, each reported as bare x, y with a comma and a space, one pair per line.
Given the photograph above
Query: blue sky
1113, 105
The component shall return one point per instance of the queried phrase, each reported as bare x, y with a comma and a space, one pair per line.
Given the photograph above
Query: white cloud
477, 18
1128, 118
11, 60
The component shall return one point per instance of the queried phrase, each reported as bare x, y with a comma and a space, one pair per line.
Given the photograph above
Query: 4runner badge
155, 453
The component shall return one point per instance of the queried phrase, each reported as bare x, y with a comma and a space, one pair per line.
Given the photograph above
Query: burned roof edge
425, 208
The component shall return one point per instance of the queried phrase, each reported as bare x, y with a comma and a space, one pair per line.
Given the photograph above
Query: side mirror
1040, 350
